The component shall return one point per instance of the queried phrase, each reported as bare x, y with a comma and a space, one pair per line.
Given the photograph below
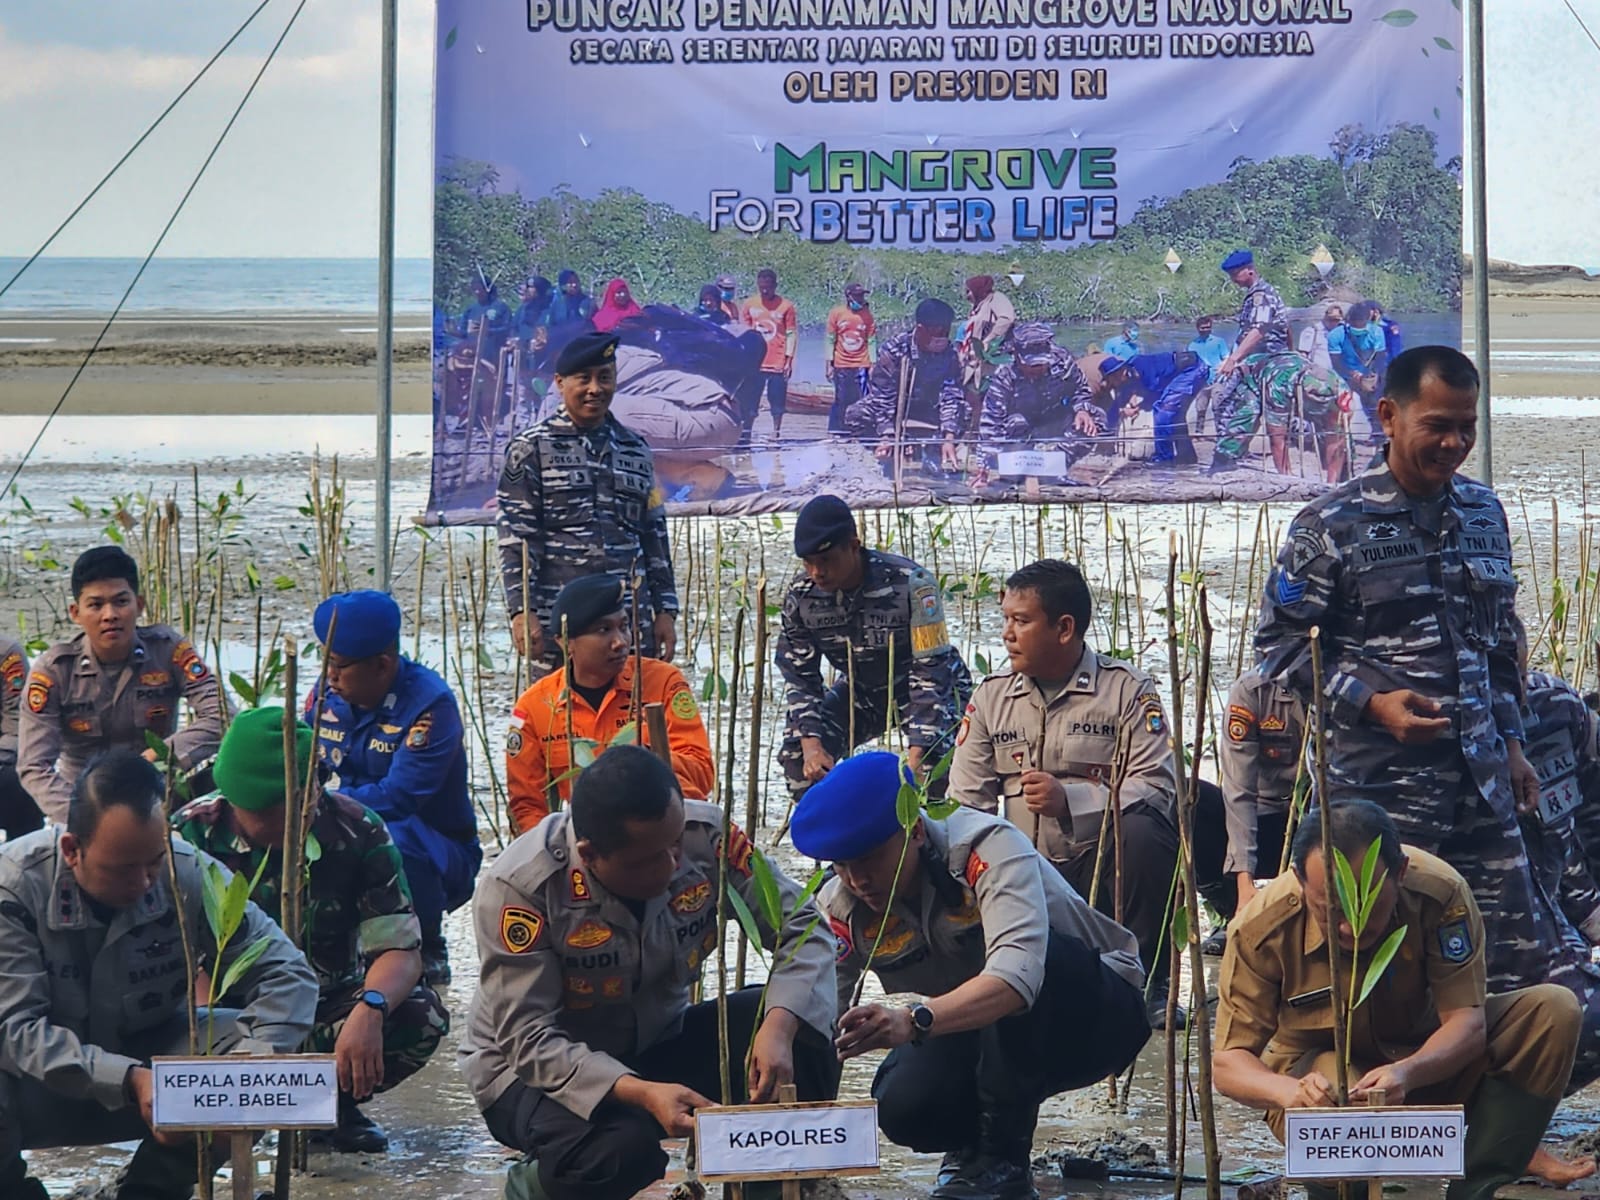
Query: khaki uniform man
1030, 992
582, 1048
1259, 757
1429, 1033
93, 977
1041, 745
18, 813
111, 685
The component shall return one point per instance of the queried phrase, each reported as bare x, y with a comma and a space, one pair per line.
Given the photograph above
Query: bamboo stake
1331, 913
755, 794
291, 837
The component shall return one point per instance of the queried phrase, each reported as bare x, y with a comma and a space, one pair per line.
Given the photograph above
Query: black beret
935, 312
823, 523
584, 601
591, 349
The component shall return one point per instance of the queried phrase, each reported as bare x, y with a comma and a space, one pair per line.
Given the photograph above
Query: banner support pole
385, 295
1479, 215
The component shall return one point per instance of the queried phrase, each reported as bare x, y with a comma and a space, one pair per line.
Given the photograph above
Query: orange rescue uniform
536, 746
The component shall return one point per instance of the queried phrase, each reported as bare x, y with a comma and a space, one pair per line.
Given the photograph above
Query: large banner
958, 251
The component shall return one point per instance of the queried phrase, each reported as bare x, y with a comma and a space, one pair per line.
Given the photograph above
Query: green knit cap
248, 770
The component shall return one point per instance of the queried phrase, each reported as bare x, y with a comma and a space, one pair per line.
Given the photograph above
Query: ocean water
89, 286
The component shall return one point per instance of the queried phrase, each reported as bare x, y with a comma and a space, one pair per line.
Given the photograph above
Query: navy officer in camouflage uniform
582, 1046
1407, 571
1041, 395
858, 609
390, 738
93, 980
114, 684
374, 1013
917, 379
577, 497
1263, 332
1029, 991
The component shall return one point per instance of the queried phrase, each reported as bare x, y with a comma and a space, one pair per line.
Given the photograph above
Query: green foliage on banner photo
1384, 205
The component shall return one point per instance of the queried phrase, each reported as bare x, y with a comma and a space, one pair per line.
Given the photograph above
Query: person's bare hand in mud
1084, 424
1391, 1079
1410, 717
1310, 1091
815, 762
1524, 779
872, 1027
358, 1052
671, 1104
666, 630
1043, 794
527, 635
772, 1056
949, 457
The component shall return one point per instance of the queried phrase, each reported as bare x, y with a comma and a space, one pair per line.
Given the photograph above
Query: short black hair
1355, 825
767, 273
1361, 310
626, 783
1444, 363
102, 563
121, 777
1061, 589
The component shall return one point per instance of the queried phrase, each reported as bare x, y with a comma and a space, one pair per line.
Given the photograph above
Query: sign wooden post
788, 1141
242, 1094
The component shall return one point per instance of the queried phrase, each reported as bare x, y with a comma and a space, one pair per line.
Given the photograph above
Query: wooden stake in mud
754, 816
566, 696
1319, 716
655, 723
636, 700
241, 1155
292, 836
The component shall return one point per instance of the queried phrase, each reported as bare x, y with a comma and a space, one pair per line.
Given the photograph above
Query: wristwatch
373, 998
921, 1023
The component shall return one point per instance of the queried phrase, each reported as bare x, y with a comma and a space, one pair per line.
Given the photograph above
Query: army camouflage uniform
1275, 1003
1418, 594
357, 906
73, 710
87, 993
1010, 727
579, 988
988, 904
1263, 309
583, 502
897, 611
1279, 380
1020, 413
18, 813
934, 395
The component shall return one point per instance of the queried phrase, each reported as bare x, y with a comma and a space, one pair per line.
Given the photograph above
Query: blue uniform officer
1166, 383
390, 737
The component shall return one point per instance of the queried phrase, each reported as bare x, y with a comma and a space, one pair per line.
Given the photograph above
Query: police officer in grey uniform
858, 609
18, 813
578, 496
1263, 332
1043, 744
93, 980
1041, 395
1030, 992
1407, 571
111, 685
582, 1048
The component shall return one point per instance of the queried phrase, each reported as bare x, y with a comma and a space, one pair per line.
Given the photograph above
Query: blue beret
584, 601
850, 811
1239, 258
589, 349
369, 623
823, 523
1111, 364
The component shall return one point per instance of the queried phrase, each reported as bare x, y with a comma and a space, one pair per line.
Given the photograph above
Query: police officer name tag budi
243, 1092
786, 1141
1376, 1142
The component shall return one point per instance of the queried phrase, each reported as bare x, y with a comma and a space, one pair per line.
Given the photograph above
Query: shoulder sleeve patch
13, 670
844, 946
1455, 941
39, 685
1240, 722
975, 869
929, 633
682, 705
740, 850
520, 928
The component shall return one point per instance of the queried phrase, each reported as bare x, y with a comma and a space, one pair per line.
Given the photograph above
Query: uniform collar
88, 664
1084, 680
1405, 913
581, 889
1380, 492
561, 419
69, 907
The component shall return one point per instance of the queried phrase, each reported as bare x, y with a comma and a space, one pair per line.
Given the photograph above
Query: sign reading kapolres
959, 251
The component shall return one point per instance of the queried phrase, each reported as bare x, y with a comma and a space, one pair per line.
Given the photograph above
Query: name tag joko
288, 1091
763, 1141
1356, 1143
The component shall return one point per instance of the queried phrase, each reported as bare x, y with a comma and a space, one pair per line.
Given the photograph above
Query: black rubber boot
1504, 1126
158, 1172
15, 1181
954, 1163
1156, 1007
1216, 942
1003, 1167
356, 1132
435, 955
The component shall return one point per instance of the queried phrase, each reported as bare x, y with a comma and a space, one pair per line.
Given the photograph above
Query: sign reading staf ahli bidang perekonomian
1365, 1143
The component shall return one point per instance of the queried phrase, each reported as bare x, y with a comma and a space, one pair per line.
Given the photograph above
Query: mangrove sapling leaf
747, 921
767, 896
154, 743
942, 767
313, 848
1180, 926
238, 968
908, 805
813, 885
213, 891
1345, 888
940, 809
1380, 963
244, 689
584, 751
628, 735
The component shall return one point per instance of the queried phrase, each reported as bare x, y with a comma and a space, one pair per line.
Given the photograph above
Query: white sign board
796, 1141
1365, 1143
288, 1091
1031, 462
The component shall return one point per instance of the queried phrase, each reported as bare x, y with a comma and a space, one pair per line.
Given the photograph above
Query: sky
81, 79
